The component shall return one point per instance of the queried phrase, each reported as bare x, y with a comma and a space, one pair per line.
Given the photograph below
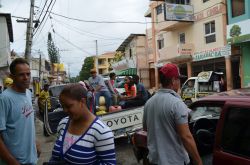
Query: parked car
220, 124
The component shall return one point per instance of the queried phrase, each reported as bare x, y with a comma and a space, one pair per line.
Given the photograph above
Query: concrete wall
195, 32
245, 16
106, 57
245, 64
4, 43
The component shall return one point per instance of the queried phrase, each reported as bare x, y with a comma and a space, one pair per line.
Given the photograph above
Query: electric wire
72, 44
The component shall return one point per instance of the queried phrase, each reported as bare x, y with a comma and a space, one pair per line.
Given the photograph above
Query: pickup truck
220, 124
121, 122
206, 83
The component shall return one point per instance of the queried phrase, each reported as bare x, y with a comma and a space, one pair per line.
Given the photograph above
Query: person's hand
38, 149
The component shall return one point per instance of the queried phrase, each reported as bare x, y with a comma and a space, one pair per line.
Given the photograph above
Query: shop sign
213, 53
185, 51
209, 12
177, 12
238, 32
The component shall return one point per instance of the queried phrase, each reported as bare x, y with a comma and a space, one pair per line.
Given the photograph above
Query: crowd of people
82, 137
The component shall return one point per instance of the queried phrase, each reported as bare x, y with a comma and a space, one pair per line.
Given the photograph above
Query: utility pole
96, 61
40, 65
29, 34
69, 69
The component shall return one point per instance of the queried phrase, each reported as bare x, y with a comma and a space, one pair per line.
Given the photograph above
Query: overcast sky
76, 39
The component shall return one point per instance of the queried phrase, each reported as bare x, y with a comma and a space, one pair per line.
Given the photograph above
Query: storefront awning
126, 72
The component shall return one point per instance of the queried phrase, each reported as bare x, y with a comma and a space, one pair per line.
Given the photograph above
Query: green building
238, 35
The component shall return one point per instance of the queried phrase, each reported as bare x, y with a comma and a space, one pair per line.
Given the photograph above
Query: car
227, 126
220, 124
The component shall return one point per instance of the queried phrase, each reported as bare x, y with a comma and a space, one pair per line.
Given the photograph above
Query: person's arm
105, 148
189, 143
5, 154
144, 119
38, 149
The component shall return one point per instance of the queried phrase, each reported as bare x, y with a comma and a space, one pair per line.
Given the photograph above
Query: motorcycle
139, 142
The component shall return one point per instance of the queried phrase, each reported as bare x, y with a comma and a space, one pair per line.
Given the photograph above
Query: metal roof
148, 13
9, 25
127, 41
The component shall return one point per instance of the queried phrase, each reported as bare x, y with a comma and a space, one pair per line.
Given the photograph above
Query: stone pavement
46, 143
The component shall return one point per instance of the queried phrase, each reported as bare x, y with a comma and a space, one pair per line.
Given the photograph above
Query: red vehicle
220, 125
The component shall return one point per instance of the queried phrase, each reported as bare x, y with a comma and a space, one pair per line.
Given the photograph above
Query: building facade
192, 34
6, 36
133, 50
103, 62
238, 35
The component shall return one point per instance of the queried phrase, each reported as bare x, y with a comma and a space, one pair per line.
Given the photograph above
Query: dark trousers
132, 103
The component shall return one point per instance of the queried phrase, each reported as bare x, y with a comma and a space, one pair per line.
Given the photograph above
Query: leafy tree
74, 79
87, 65
52, 50
235, 31
118, 56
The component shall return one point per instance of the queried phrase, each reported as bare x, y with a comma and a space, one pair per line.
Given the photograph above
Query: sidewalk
46, 143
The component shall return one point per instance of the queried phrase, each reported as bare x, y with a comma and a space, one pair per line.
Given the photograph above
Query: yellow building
103, 62
192, 34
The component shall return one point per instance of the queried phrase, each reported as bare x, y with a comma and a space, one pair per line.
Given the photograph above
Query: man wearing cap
166, 121
99, 88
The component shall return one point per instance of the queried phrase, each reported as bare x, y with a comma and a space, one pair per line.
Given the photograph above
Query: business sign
177, 12
214, 10
213, 53
238, 32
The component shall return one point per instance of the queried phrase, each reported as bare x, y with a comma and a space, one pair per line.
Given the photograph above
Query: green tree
87, 65
235, 31
52, 50
118, 56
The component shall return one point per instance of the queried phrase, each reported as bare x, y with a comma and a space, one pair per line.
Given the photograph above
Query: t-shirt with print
17, 125
98, 80
162, 112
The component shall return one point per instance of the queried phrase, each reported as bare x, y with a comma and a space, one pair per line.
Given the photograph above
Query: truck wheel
188, 102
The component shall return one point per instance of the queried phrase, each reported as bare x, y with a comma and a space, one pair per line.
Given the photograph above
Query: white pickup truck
121, 122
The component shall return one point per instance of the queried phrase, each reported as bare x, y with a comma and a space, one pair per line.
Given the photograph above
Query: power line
43, 9
73, 44
43, 17
80, 32
110, 22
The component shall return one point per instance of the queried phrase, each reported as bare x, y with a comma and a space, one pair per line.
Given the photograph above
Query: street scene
135, 82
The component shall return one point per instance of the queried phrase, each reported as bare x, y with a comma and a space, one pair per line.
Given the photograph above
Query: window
205, 1
236, 132
184, 2
182, 38
238, 7
101, 62
210, 32
206, 111
130, 53
160, 43
159, 9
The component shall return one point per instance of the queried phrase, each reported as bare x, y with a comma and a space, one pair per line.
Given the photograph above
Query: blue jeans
108, 98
